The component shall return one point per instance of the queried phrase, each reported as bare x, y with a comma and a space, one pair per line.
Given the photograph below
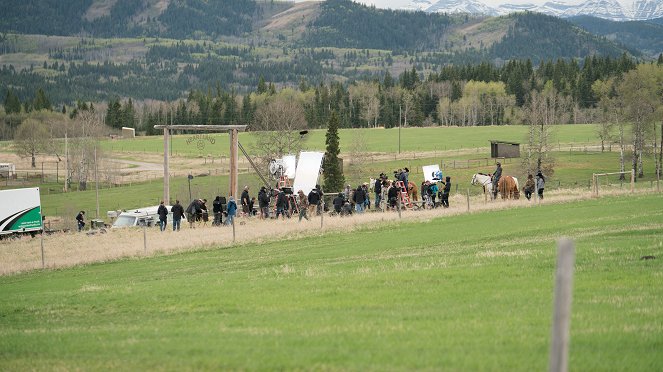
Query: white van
147, 216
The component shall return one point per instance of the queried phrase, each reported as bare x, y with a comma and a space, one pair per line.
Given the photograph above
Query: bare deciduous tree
366, 94
84, 132
279, 123
543, 110
31, 139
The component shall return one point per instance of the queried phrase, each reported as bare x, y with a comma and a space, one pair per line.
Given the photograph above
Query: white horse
484, 180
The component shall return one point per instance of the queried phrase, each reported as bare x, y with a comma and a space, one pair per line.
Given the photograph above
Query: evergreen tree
334, 179
660, 59
262, 87
41, 101
12, 103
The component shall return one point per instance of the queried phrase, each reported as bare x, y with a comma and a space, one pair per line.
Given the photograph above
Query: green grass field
374, 140
466, 292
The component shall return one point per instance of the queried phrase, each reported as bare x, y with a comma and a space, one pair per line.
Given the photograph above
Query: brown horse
508, 187
412, 192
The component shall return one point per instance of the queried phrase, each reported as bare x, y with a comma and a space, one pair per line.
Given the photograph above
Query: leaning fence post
559, 346
468, 200
145, 238
233, 229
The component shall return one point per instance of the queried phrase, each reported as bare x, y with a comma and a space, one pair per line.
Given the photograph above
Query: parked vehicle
20, 211
147, 216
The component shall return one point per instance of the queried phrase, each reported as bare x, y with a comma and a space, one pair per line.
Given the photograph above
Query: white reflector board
308, 170
289, 166
430, 171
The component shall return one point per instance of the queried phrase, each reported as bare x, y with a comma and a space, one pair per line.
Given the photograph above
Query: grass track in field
468, 292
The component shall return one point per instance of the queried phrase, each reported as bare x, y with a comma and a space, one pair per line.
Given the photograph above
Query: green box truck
20, 211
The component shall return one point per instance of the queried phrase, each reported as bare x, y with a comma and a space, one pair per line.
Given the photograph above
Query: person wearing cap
359, 198
445, 192
496, 178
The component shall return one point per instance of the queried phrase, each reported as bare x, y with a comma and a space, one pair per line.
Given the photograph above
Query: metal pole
559, 346
66, 162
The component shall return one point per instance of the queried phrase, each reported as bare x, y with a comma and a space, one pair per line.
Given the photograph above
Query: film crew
529, 186
445, 192
432, 191
252, 203
496, 178
338, 202
178, 213
392, 195
217, 209
367, 196
348, 192
377, 188
347, 209
359, 198
245, 200
281, 203
313, 201
204, 213
263, 202
162, 211
302, 203
540, 183
192, 212
232, 210
80, 220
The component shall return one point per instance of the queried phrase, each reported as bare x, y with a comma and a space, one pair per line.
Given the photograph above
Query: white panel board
308, 170
289, 166
430, 171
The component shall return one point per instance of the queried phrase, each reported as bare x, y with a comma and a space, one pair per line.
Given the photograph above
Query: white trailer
20, 211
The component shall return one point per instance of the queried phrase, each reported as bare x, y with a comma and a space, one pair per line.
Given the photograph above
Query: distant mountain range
607, 9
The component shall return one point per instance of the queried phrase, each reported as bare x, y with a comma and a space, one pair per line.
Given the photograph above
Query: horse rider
496, 178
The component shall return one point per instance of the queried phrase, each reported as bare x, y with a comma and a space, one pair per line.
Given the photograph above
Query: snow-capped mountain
616, 10
461, 6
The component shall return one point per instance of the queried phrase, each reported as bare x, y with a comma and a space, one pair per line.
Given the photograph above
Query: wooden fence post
468, 200
632, 180
559, 346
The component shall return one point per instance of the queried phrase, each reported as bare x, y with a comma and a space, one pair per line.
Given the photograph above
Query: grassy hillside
470, 292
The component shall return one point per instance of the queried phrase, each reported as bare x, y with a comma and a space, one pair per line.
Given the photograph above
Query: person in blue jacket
232, 210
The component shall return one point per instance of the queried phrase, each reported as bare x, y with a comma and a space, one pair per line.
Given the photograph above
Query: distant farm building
128, 132
503, 149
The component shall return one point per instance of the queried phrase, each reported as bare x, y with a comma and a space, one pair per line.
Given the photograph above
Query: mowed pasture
465, 292
382, 140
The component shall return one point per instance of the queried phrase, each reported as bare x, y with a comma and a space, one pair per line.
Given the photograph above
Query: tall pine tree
333, 171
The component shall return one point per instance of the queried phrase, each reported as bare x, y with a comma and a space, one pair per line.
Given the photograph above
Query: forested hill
644, 36
128, 18
540, 37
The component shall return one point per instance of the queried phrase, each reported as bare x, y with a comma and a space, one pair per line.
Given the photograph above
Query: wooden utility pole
166, 167
234, 159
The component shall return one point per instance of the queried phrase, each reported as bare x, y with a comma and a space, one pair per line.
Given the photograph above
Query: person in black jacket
445, 192
80, 220
217, 209
281, 204
338, 202
359, 198
162, 211
263, 202
178, 213
245, 199
377, 188
313, 201
392, 195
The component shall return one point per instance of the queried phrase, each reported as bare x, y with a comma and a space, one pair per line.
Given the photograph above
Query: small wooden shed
504, 149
